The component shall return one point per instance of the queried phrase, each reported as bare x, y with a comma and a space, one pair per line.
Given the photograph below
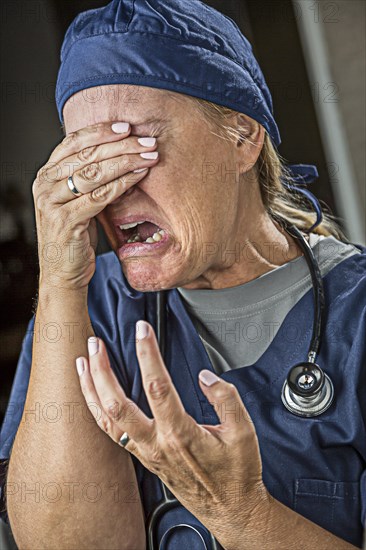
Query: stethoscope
307, 391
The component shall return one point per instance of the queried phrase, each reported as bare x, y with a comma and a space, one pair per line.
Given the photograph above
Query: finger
226, 400
121, 410
93, 402
96, 134
95, 175
163, 398
94, 154
89, 205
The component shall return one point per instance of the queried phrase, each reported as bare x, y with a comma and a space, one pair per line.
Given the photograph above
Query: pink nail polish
150, 156
120, 127
139, 170
93, 345
80, 365
147, 141
208, 377
142, 330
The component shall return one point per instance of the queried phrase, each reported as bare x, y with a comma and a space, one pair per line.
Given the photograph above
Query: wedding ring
124, 439
71, 186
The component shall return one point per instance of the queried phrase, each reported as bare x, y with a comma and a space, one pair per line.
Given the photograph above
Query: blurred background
312, 54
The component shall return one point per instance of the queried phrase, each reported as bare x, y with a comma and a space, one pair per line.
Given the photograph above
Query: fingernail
140, 170
147, 141
80, 365
93, 345
120, 127
142, 330
150, 156
208, 377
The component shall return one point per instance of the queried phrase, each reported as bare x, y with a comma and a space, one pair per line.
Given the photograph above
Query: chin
147, 276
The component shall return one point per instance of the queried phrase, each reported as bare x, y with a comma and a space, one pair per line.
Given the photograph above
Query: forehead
120, 102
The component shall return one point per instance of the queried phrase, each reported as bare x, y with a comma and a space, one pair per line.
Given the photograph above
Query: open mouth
140, 232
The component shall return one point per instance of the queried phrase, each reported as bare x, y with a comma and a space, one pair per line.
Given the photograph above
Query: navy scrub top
316, 466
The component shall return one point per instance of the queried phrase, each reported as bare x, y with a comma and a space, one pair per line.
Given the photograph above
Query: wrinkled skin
202, 188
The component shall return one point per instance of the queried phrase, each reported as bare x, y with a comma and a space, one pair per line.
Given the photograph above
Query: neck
265, 246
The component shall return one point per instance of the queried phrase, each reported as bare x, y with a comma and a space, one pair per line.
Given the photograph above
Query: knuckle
101, 193
70, 140
225, 392
124, 182
50, 172
128, 164
105, 424
91, 173
221, 394
123, 145
88, 153
95, 128
114, 409
40, 201
158, 388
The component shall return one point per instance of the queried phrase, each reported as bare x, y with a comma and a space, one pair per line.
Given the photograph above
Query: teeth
134, 239
154, 239
130, 225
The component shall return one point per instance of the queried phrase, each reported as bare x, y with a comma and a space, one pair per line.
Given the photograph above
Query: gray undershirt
237, 324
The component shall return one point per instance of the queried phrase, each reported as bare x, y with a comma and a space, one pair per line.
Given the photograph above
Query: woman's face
193, 191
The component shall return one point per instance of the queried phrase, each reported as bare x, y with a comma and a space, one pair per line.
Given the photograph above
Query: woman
201, 183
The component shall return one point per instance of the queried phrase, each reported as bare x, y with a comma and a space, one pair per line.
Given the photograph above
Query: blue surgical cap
180, 45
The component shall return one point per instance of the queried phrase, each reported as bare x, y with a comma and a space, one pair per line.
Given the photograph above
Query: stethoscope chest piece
307, 391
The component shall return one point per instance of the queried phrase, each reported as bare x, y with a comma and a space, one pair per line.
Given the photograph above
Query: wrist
249, 525
59, 303
58, 293
61, 279
62, 317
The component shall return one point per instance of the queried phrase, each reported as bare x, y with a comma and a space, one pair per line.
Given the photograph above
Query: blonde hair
270, 168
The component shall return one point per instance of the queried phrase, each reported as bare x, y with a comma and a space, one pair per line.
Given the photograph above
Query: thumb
225, 399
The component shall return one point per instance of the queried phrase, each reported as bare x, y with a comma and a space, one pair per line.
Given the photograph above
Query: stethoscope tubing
168, 501
318, 291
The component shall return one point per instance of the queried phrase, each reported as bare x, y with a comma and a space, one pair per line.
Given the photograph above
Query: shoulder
342, 264
347, 260
345, 287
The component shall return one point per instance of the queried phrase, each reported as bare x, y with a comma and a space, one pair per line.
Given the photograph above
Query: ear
250, 144
250, 129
